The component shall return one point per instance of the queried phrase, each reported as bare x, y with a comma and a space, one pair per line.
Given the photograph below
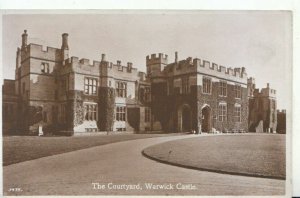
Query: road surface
121, 169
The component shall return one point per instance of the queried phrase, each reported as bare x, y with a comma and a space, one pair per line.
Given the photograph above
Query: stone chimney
176, 57
103, 57
65, 45
24, 39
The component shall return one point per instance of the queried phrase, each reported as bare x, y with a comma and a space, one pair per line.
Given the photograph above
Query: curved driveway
123, 164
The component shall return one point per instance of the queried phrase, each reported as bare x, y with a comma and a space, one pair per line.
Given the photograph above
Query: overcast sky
258, 41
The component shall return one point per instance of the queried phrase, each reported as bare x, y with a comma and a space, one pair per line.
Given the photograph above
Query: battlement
35, 48
190, 65
82, 62
265, 92
236, 72
42, 52
157, 59
117, 68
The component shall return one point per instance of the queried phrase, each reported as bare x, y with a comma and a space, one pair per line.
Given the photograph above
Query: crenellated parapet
41, 52
119, 68
190, 65
219, 70
157, 59
265, 92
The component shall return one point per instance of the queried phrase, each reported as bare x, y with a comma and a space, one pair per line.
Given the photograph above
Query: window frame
90, 111
237, 91
222, 112
90, 86
237, 113
121, 89
206, 85
223, 88
121, 113
185, 85
147, 94
45, 68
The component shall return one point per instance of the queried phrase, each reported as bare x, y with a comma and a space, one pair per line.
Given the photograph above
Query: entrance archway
206, 119
184, 118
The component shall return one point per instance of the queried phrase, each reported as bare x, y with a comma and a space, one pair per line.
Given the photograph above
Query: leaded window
222, 112
121, 89
223, 88
121, 113
90, 111
207, 85
90, 86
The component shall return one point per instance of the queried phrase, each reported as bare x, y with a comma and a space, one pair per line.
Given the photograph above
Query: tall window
185, 85
90, 86
121, 114
147, 114
237, 91
222, 112
90, 111
147, 94
237, 113
121, 89
45, 68
223, 88
206, 85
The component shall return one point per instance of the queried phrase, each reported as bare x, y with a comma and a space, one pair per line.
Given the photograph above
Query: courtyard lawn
260, 155
23, 148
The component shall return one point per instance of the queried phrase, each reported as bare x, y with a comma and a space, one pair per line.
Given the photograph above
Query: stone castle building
63, 93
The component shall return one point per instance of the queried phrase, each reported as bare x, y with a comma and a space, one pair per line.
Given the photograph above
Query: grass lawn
250, 154
22, 148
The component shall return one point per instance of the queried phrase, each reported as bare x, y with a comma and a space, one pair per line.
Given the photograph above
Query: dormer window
45, 68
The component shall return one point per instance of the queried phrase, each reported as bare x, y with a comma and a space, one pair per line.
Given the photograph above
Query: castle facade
68, 94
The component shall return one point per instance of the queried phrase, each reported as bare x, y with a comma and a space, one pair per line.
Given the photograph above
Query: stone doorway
206, 119
184, 119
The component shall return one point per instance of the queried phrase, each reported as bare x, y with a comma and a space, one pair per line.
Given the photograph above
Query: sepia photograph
146, 102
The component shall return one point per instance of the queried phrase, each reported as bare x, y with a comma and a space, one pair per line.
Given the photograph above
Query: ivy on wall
78, 109
106, 107
35, 114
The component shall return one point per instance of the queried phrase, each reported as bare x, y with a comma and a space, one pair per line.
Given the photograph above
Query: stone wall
213, 101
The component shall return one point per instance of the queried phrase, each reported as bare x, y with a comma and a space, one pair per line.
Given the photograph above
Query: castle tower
65, 46
155, 63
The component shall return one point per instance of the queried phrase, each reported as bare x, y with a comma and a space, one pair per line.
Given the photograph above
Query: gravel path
121, 165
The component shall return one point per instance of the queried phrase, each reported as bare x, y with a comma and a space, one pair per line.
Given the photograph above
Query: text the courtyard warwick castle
71, 95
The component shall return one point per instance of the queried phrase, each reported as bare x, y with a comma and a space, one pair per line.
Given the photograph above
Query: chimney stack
24, 39
176, 57
65, 45
103, 57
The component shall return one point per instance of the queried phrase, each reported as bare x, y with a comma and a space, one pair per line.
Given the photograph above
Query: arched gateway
206, 125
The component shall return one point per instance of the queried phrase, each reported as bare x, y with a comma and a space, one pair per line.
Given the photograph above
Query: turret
155, 63
65, 46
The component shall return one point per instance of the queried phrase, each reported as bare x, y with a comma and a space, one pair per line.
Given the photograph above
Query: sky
260, 41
